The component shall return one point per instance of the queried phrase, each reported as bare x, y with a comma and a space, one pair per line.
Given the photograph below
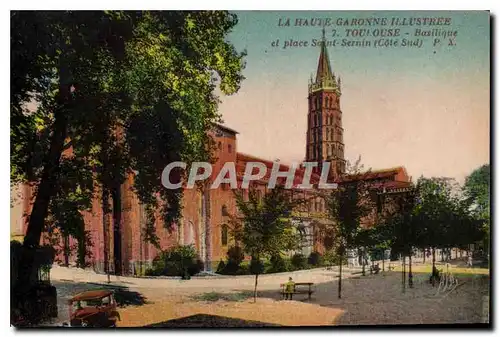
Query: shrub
234, 258
315, 259
299, 261
178, 261
196, 267
221, 267
256, 266
331, 258
244, 269
235, 254
278, 265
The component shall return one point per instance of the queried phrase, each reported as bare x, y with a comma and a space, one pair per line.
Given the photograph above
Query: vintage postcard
249, 168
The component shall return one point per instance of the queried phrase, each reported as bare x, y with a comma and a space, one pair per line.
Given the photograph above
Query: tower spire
324, 71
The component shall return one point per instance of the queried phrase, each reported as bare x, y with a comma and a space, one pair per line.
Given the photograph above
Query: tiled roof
225, 128
398, 173
243, 158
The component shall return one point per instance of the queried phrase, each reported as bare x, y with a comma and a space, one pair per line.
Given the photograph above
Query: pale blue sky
401, 106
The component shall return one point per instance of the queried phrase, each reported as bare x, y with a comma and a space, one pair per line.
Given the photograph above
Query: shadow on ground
123, 295
379, 299
209, 321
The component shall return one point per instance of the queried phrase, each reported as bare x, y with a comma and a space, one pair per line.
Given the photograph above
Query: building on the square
205, 214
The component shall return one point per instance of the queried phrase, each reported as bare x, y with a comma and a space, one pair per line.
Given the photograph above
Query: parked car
94, 308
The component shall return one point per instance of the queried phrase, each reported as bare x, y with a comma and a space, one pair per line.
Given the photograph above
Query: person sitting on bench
289, 288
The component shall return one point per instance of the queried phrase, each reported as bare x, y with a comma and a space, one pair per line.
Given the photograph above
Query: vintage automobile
94, 308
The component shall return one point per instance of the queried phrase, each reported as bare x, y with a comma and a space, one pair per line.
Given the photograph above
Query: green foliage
256, 266
347, 206
264, 226
220, 267
231, 297
315, 259
235, 256
122, 90
299, 261
441, 218
477, 191
178, 261
278, 264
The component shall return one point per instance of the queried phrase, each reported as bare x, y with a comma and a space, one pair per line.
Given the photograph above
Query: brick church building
205, 214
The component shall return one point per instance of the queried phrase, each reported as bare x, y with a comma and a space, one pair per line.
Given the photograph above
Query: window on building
224, 235
229, 148
258, 195
224, 210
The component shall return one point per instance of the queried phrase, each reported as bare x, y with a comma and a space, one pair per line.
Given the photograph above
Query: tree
121, 90
347, 206
262, 225
477, 193
59, 60
365, 240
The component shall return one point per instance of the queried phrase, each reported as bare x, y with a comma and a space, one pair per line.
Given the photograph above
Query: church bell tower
324, 119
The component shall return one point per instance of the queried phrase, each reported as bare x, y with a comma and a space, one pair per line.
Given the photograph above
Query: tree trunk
117, 218
47, 185
410, 274
442, 255
383, 260
255, 289
341, 257
403, 273
363, 261
66, 249
425, 253
433, 258
105, 222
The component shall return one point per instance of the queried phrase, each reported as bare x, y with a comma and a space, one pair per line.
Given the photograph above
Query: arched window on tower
331, 136
327, 102
327, 133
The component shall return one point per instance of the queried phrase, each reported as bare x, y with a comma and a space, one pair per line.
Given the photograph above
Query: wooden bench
309, 290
